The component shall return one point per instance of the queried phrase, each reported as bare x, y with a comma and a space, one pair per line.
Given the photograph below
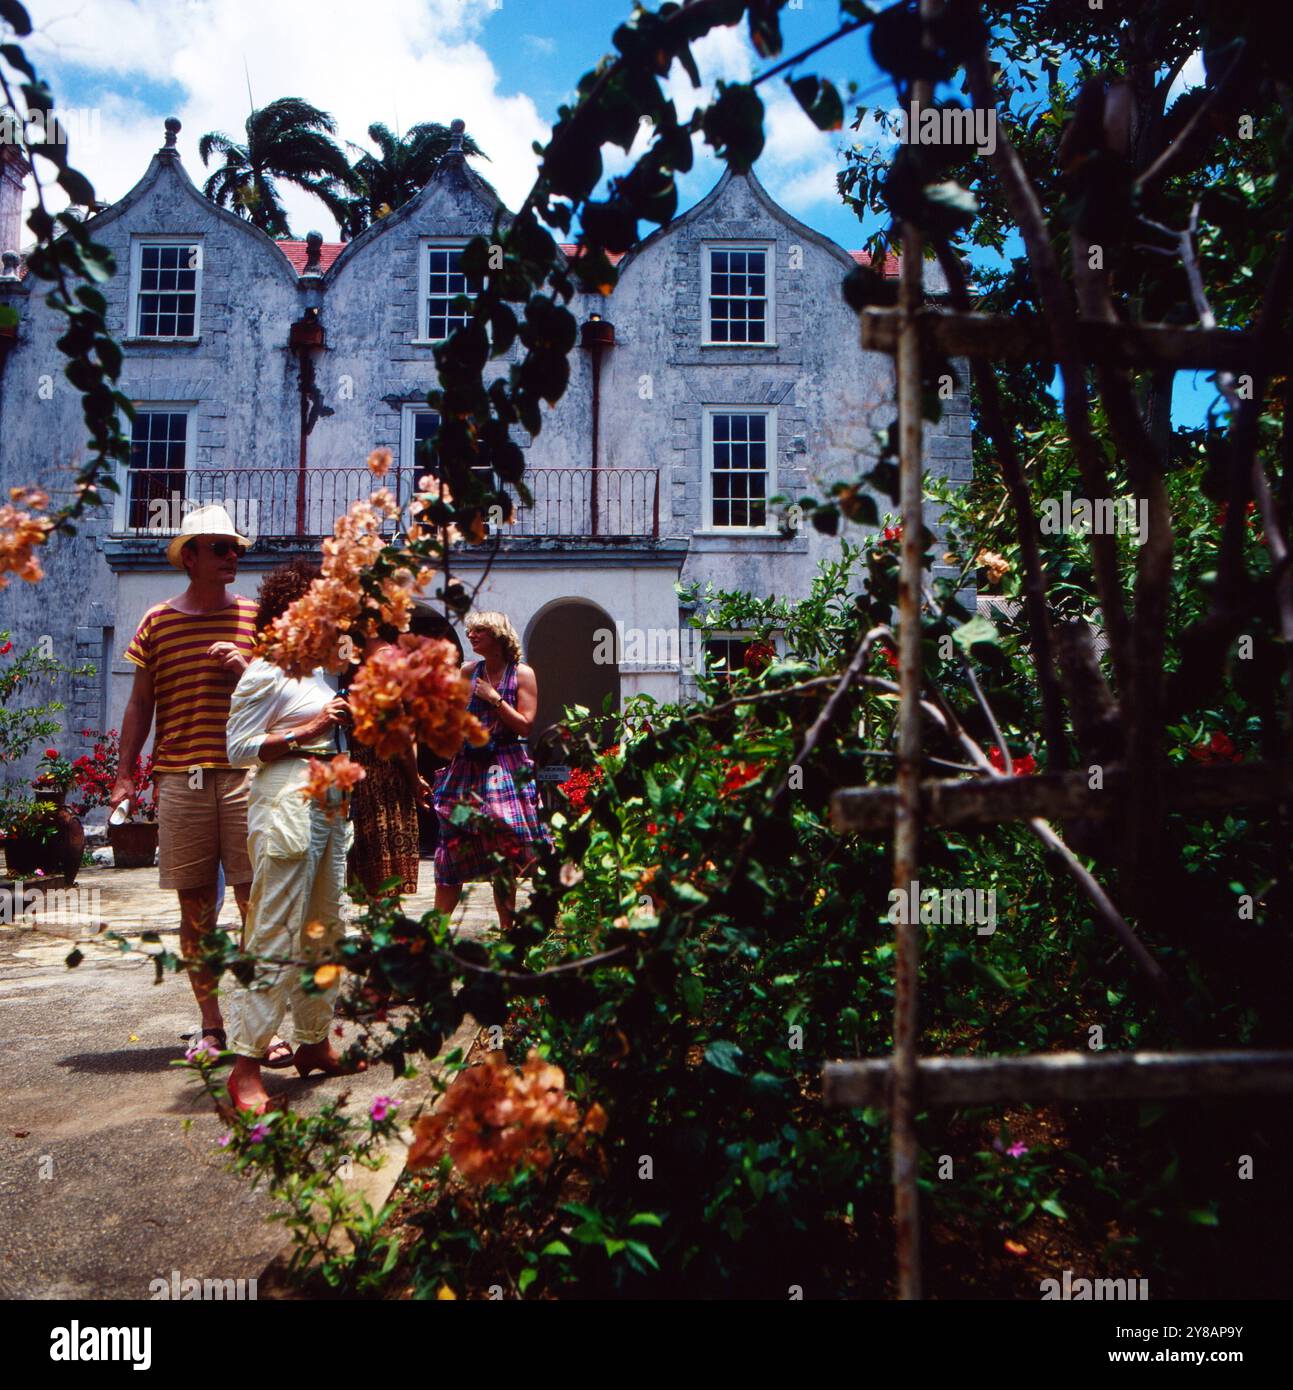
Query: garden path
102, 1187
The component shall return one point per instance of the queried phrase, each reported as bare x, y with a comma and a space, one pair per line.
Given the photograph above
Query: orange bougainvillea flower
21, 532
313, 630
327, 975
414, 690
379, 462
495, 1118
329, 784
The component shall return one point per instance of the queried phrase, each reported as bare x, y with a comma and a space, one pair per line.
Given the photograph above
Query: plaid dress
496, 780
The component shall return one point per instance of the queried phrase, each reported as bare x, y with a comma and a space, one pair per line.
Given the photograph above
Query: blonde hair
498, 625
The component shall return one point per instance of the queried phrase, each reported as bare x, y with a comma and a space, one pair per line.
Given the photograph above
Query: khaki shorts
202, 826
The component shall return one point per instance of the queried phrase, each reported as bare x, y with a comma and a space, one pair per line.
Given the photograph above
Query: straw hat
212, 520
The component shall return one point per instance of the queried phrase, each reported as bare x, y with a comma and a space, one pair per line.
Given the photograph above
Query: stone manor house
724, 369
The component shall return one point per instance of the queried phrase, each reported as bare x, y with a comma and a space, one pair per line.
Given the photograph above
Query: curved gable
167, 165
716, 195
455, 187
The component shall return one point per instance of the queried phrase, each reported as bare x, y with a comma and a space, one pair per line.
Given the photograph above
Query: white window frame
137, 244
408, 463
121, 502
706, 261
425, 245
707, 526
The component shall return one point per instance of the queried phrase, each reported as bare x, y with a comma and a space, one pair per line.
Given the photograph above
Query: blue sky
505, 66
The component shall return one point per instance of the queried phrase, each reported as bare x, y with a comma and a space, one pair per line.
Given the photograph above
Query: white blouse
268, 701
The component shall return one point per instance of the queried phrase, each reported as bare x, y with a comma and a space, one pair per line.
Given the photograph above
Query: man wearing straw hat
189, 652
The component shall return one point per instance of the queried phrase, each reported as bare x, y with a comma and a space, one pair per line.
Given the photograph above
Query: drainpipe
305, 337
595, 337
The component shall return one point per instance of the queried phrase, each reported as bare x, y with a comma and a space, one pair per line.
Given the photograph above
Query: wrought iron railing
567, 503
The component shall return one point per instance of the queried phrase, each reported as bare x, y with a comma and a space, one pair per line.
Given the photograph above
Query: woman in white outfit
298, 854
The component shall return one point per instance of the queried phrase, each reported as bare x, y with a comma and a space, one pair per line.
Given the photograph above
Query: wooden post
906, 837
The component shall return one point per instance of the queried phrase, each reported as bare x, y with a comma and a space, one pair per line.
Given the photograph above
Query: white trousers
298, 861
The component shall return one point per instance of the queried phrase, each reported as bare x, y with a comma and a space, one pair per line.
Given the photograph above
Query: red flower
1023, 766
6, 649
737, 775
1219, 749
51, 752
758, 655
652, 828
893, 533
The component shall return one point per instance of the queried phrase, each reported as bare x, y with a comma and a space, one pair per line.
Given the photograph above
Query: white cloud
401, 62
540, 43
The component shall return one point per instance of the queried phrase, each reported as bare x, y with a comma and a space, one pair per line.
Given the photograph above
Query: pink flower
1017, 1150
204, 1051
382, 1107
259, 1131
225, 1139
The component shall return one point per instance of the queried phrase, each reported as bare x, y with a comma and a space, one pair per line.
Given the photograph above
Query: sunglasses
221, 549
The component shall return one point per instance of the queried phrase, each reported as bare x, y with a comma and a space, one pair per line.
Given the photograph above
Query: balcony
569, 504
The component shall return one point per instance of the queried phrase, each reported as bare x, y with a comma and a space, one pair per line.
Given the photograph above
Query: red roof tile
295, 252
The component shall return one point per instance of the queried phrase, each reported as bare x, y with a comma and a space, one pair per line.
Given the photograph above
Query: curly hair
282, 586
500, 626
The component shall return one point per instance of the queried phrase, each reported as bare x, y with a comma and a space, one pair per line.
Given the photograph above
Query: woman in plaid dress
496, 780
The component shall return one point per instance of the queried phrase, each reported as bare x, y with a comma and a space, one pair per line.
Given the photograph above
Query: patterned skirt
501, 788
384, 810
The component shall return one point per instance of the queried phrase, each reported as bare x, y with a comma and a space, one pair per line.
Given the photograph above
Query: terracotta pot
134, 844
60, 853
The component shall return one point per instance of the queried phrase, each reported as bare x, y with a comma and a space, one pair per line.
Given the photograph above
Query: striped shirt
191, 689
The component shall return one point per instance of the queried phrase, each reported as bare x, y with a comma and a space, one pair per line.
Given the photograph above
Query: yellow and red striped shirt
191, 689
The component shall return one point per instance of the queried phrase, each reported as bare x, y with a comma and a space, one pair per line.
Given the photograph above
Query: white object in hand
121, 813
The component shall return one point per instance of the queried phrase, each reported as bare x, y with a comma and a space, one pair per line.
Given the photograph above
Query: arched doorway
562, 645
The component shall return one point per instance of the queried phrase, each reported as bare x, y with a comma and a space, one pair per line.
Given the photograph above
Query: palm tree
289, 140
387, 180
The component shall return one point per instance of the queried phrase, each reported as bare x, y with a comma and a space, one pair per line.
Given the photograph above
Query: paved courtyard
102, 1188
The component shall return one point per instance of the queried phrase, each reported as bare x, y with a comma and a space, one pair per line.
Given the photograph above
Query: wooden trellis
905, 1080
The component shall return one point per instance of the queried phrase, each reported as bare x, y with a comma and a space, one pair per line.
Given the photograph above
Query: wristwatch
293, 744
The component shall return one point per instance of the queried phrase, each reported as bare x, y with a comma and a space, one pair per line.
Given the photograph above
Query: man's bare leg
197, 919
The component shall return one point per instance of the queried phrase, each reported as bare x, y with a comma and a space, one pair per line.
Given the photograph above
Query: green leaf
643, 1252
645, 1218
725, 1056
557, 1248
526, 1278
1052, 1206
820, 101
1201, 1216
978, 629
734, 125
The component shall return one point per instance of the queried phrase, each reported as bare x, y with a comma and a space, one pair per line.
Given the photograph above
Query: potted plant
40, 834
133, 841
45, 837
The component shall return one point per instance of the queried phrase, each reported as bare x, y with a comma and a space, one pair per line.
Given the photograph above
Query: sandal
194, 1039
327, 1065
278, 1056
